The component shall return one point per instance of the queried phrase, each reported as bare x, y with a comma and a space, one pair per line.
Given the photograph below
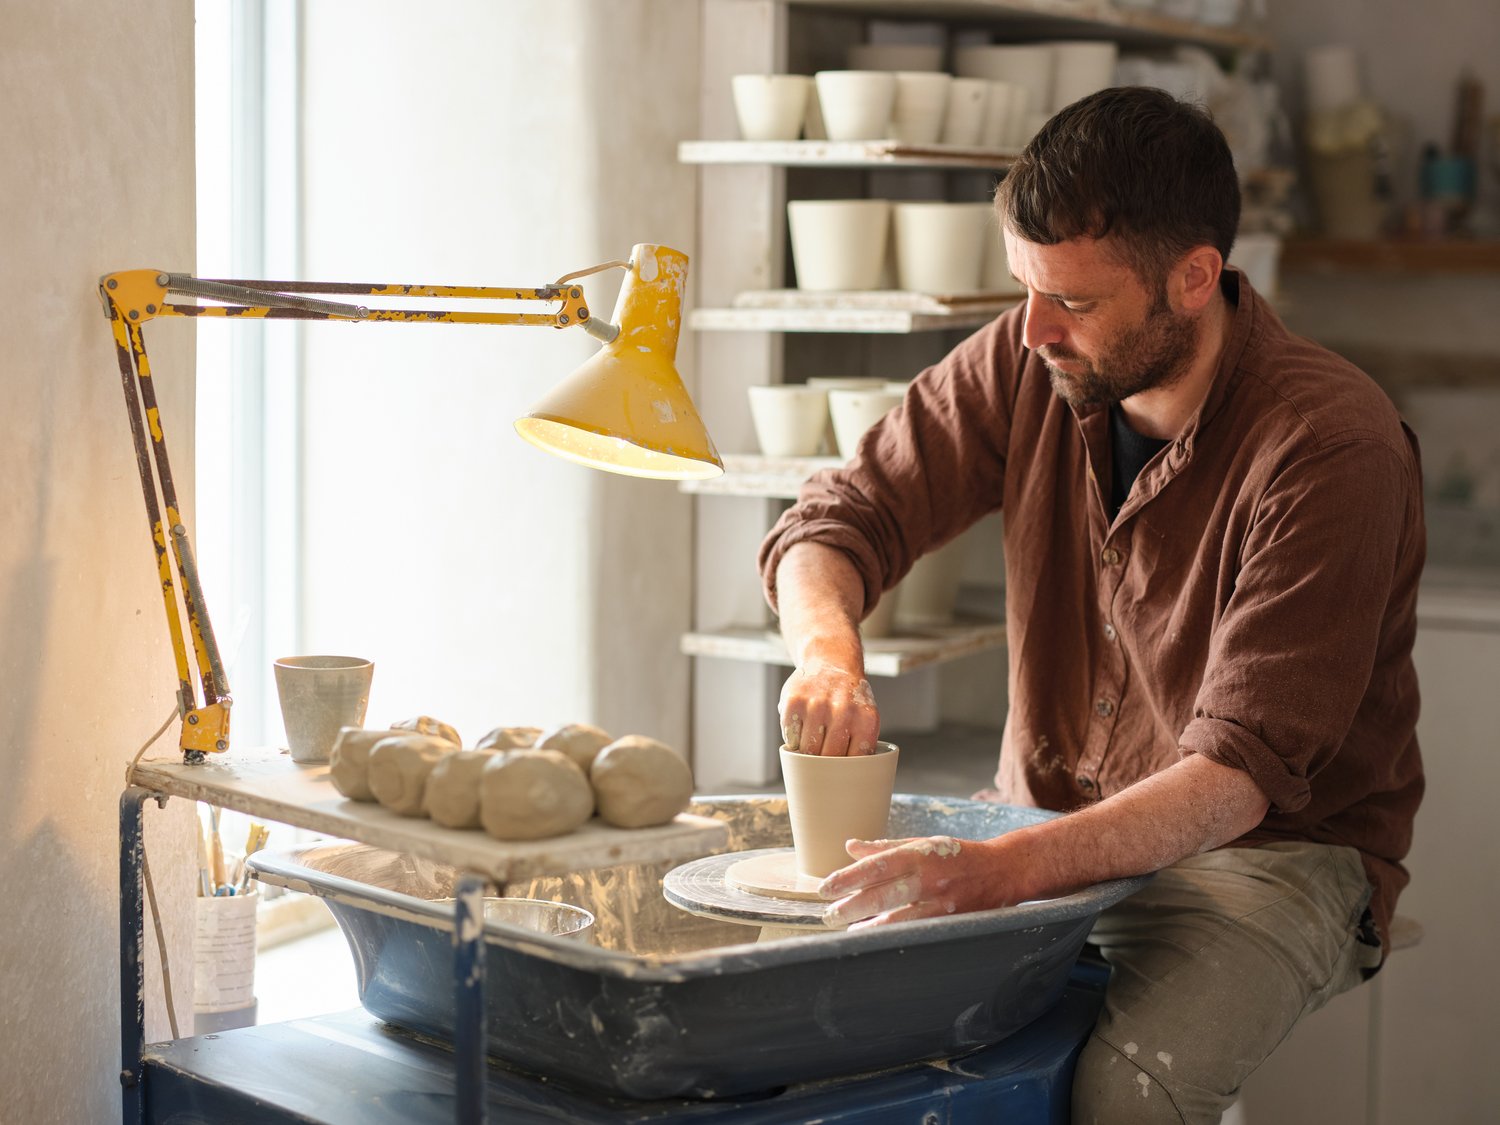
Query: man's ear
1195, 279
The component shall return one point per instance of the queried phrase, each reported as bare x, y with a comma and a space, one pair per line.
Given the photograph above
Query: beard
1154, 353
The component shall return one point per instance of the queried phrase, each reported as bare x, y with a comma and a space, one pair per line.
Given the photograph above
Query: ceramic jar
789, 419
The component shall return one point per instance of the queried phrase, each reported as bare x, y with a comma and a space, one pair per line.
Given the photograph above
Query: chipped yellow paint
137, 294
153, 419
206, 729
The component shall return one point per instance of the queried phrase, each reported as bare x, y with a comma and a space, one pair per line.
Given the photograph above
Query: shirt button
1105, 708
1111, 557
1109, 631
1085, 783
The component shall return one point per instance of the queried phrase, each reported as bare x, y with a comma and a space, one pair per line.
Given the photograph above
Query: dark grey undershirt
1129, 452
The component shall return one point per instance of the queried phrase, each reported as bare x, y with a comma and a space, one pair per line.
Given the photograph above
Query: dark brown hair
1132, 162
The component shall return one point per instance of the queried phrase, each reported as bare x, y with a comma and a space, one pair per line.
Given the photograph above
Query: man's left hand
897, 880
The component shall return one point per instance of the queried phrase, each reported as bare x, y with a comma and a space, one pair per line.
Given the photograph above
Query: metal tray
663, 1003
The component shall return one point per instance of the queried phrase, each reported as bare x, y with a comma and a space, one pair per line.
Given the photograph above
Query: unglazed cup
921, 103
770, 107
320, 695
940, 246
963, 122
856, 104
834, 799
854, 412
789, 419
838, 244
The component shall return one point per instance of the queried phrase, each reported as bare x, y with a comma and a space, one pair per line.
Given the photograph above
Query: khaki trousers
1213, 962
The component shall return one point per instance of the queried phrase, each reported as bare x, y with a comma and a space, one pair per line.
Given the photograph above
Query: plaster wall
499, 144
97, 176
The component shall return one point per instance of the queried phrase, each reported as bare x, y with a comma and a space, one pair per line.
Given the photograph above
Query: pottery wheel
701, 887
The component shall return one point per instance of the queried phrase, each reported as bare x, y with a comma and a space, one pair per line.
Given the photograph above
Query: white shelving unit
746, 323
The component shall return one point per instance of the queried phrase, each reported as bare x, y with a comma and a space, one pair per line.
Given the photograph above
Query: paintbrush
216, 849
205, 880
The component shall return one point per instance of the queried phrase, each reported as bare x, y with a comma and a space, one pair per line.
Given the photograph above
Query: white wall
499, 144
97, 176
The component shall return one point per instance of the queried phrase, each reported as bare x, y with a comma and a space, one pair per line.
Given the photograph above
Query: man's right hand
828, 710
826, 706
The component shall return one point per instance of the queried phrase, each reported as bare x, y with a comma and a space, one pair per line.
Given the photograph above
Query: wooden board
900, 300
267, 784
884, 656
843, 154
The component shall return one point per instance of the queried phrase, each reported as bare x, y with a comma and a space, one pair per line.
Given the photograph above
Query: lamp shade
626, 410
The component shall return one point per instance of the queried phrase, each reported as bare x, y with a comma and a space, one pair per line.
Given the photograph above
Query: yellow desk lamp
624, 410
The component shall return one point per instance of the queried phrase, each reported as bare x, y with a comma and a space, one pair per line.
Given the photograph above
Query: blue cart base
351, 1069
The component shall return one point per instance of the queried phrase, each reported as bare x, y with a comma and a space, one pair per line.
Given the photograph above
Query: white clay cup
838, 244
320, 695
929, 592
854, 412
940, 246
789, 420
831, 800
963, 121
856, 104
995, 276
1081, 68
1000, 124
842, 383
770, 107
881, 622
1029, 66
920, 105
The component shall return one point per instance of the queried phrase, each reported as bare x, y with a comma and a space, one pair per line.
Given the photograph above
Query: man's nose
1042, 326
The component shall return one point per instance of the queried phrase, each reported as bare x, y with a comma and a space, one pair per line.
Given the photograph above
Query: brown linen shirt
1254, 601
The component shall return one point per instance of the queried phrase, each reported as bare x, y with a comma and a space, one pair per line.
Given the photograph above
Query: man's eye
1076, 308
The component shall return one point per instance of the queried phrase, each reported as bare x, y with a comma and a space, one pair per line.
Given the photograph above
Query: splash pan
656, 1002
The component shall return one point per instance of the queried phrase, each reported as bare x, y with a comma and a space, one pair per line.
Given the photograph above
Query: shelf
770, 478
843, 154
1058, 17
266, 783
887, 656
1390, 255
881, 310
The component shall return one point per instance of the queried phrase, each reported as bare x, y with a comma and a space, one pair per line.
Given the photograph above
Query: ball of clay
639, 782
426, 724
579, 741
509, 738
349, 763
399, 765
529, 794
452, 797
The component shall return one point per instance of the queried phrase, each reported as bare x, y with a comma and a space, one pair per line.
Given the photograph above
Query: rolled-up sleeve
1292, 652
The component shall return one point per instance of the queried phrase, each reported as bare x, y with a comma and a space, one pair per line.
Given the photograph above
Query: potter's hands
829, 710
897, 880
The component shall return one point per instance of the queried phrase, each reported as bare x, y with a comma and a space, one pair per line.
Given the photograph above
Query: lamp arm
133, 297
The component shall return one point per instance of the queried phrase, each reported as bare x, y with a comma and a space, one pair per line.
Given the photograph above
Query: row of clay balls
518, 783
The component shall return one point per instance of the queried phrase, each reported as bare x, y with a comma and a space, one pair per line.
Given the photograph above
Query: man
1213, 537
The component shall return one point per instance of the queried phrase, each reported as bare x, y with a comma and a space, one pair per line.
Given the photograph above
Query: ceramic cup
1029, 66
1080, 68
770, 107
940, 246
842, 383
856, 104
789, 419
831, 800
838, 244
855, 411
319, 695
895, 56
995, 272
921, 101
929, 592
963, 121
881, 621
